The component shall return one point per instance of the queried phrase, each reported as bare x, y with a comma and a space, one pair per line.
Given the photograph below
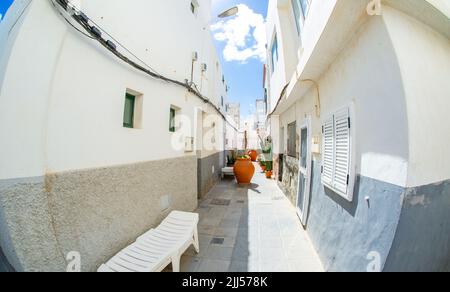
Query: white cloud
244, 35
1, 16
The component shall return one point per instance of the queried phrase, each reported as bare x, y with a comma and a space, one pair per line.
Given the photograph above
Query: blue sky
242, 68
4, 5
243, 77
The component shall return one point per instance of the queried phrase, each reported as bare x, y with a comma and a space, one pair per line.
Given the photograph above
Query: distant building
234, 112
260, 115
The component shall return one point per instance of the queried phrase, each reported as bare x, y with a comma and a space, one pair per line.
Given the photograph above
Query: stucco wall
422, 240
96, 212
5, 266
289, 183
425, 69
209, 172
344, 233
78, 91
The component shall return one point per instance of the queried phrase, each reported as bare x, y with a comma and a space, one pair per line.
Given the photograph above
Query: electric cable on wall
94, 32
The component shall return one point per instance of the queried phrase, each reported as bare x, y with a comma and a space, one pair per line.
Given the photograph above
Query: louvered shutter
342, 151
328, 151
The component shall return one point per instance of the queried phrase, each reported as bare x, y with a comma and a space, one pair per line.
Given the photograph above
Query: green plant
269, 165
244, 157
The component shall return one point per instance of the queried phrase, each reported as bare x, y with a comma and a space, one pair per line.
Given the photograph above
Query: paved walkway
252, 229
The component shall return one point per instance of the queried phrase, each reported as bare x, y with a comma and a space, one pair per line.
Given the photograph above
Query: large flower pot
244, 171
253, 155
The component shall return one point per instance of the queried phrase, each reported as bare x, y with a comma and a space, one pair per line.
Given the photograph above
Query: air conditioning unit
194, 56
204, 67
189, 144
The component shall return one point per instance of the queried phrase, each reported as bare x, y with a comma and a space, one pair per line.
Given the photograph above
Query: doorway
304, 176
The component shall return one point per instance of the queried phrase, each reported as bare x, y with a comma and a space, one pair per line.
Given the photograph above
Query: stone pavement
250, 229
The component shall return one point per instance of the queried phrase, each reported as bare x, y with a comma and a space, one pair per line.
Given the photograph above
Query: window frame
300, 14
274, 49
351, 172
172, 120
132, 97
289, 145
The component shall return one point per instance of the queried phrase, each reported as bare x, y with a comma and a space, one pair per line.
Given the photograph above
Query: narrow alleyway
253, 229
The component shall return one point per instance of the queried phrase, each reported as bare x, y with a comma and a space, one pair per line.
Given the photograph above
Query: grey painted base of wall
408, 228
206, 177
96, 212
5, 266
422, 241
343, 232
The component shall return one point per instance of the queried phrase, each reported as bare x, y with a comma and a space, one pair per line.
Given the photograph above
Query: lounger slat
129, 263
169, 233
137, 263
151, 246
151, 243
164, 237
118, 268
140, 257
139, 252
172, 230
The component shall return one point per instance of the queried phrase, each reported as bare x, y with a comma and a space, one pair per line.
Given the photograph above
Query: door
304, 176
281, 156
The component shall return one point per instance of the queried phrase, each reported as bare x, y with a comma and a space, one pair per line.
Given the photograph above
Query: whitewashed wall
67, 114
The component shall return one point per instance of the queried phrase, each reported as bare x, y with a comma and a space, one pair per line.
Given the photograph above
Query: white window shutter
342, 151
328, 151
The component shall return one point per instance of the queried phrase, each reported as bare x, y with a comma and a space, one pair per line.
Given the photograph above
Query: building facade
260, 115
94, 150
358, 98
233, 111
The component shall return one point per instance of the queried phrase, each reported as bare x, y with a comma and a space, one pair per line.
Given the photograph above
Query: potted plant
269, 169
262, 163
253, 155
244, 170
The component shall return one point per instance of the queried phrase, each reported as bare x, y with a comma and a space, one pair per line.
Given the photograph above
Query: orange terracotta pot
253, 155
244, 171
269, 174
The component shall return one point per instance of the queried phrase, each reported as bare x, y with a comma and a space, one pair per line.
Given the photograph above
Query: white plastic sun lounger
156, 249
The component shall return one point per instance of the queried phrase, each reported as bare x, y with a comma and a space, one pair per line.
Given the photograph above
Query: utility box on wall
189, 144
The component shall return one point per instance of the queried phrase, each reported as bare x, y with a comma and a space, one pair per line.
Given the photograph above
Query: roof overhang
345, 20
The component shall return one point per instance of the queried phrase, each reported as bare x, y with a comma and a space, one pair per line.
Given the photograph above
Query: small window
337, 150
304, 148
221, 101
292, 140
134, 102
301, 9
128, 117
274, 51
173, 113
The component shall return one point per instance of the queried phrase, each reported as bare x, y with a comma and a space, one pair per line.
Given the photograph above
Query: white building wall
78, 91
425, 68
